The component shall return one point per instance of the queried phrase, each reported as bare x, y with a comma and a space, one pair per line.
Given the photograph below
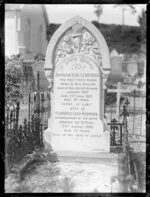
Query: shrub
13, 79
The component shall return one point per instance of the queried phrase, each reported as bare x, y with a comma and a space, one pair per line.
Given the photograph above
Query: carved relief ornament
78, 40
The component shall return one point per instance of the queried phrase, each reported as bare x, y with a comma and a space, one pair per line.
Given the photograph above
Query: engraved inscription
77, 98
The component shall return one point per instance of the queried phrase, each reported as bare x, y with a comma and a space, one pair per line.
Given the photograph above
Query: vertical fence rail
28, 136
29, 107
132, 110
125, 128
134, 94
38, 94
121, 135
24, 137
17, 113
141, 117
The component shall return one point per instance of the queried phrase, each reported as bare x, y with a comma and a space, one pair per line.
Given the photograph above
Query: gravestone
78, 59
38, 66
114, 53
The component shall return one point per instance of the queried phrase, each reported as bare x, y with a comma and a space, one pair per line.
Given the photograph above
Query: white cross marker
118, 91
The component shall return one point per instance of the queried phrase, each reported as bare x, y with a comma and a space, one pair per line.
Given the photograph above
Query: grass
138, 163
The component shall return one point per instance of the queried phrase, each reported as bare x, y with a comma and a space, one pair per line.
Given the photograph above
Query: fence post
17, 113
134, 94
32, 127
141, 116
125, 114
14, 116
7, 118
42, 108
29, 106
114, 128
141, 102
41, 136
11, 118
38, 94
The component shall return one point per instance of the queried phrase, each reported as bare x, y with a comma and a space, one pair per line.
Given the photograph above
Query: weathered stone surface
47, 146
51, 156
79, 57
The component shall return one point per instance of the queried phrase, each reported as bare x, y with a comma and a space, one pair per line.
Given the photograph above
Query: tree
142, 23
125, 7
98, 11
51, 30
13, 79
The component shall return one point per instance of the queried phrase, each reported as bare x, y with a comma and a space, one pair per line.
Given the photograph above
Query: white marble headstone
77, 103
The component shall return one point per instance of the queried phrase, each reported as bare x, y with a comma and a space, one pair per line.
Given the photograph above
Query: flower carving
78, 40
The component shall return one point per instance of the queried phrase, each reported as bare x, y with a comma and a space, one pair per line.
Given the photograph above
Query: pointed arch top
49, 63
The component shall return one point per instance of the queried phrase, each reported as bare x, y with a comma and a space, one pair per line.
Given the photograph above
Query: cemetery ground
76, 175
41, 170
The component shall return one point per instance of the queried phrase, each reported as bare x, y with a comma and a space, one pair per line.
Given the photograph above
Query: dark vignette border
2, 91
2, 55
78, 1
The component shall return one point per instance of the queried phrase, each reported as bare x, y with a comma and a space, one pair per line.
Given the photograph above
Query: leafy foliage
51, 29
142, 23
13, 79
125, 7
128, 43
98, 11
24, 140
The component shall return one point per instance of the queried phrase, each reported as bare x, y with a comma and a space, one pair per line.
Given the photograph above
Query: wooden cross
118, 91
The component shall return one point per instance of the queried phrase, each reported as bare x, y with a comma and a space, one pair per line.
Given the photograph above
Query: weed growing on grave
130, 171
124, 178
33, 160
137, 165
13, 185
67, 185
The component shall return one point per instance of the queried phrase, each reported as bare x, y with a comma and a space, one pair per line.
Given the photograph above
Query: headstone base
92, 144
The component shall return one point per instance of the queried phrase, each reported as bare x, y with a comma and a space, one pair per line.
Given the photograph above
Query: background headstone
113, 53
39, 67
